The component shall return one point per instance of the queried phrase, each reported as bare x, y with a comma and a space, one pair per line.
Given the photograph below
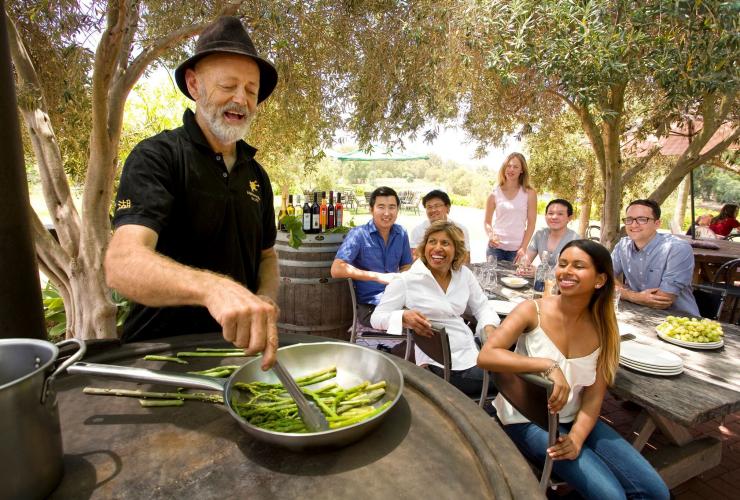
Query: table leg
643, 428
676, 433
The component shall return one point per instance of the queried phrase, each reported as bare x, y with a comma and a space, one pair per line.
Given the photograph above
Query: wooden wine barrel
310, 300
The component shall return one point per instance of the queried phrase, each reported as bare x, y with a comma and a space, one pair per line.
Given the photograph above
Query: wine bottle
297, 207
283, 212
338, 211
330, 211
323, 213
315, 214
291, 208
307, 228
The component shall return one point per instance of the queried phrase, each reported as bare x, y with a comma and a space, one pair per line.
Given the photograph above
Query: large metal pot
30, 438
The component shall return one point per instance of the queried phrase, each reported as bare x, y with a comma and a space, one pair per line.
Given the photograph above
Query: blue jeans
509, 255
608, 466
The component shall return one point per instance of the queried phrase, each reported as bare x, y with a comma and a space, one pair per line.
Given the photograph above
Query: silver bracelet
547, 372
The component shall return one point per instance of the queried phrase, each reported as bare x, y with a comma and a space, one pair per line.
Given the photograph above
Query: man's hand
417, 322
247, 320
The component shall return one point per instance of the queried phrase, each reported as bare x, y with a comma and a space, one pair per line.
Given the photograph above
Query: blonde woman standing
573, 339
511, 211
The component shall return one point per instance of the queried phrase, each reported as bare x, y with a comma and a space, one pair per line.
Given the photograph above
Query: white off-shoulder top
579, 372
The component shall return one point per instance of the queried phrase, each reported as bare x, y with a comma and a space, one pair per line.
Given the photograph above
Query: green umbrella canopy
379, 154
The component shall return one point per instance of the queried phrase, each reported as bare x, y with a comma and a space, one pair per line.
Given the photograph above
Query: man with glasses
657, 268
437, 205
374, 253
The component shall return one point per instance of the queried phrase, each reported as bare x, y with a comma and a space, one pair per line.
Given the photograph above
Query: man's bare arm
137, 271
269, 274
341, 269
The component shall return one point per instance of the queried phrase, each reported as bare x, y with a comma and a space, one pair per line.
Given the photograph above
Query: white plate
650, 368
514, 282
692, 345
502, 306
653, 372
648, 355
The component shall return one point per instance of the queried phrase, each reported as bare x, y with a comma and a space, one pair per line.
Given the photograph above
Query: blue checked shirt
666, 263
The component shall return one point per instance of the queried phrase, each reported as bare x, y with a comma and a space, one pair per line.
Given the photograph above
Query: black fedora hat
227, 35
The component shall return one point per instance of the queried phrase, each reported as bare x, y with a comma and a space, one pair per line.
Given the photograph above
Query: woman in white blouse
573, 340
438, 289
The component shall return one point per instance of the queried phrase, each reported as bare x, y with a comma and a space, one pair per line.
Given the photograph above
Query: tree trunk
683, 196
584, 217
612, 184
91, 313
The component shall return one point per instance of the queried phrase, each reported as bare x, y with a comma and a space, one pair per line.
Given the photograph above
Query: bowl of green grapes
699, 333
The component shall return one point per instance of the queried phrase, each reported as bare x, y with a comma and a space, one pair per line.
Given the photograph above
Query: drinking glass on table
617, 296
524, 266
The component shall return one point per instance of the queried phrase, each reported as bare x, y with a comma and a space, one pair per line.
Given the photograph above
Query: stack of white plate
692, 345
650, 360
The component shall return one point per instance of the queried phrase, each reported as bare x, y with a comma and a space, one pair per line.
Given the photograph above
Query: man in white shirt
437, 205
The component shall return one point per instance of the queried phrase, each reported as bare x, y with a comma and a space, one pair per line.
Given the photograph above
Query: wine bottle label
306, 221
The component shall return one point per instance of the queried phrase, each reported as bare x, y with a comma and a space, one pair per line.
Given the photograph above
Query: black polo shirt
205, 217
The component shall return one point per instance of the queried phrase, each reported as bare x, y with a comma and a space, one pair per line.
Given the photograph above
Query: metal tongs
310, 414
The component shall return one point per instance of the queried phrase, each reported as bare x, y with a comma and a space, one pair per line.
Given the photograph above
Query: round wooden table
436, 441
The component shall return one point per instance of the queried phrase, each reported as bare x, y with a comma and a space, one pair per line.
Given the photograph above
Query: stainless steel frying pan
354, 363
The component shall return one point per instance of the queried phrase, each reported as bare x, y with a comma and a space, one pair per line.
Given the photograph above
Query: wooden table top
727, 250
709, 387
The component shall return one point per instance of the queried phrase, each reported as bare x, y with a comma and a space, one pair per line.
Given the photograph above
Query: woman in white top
513, 207
573, 340
558, 213
437, 289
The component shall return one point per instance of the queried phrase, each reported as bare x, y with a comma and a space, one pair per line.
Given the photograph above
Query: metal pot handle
81, 348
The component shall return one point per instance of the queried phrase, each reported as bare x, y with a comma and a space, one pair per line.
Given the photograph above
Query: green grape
691, 329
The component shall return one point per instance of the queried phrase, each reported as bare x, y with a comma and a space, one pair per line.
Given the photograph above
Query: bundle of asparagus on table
269, 406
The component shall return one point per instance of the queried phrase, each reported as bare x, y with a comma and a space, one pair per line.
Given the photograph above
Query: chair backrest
726, 274
436, 347
527, 393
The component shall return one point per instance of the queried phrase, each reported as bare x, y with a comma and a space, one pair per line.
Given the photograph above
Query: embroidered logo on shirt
123, 204
254, 187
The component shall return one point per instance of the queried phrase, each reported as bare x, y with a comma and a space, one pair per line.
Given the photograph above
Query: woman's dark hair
728, 211
602, 307
383, 191
560, 201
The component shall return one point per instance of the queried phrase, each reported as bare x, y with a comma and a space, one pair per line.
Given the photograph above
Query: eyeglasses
640, 220
436, 206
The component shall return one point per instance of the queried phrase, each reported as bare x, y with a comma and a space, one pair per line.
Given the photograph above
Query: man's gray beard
214, 118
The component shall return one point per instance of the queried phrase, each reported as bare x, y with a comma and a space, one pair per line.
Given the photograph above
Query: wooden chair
712, 297
529, 393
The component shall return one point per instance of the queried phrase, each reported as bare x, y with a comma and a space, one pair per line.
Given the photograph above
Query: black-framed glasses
640, 220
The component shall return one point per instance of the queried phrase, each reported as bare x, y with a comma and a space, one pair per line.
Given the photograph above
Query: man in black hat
194, 219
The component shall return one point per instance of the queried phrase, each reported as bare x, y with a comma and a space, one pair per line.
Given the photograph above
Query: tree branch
54, 180
635, 169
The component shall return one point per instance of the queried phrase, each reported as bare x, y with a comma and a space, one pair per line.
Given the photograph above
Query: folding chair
711, 297
359, 331
529, 393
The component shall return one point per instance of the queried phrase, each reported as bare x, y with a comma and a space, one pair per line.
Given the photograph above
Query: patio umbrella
379, 154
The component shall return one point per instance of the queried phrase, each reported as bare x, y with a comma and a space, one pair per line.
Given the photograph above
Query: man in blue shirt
657, 267
372, 254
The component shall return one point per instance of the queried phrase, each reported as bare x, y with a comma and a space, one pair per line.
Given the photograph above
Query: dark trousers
469, 381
